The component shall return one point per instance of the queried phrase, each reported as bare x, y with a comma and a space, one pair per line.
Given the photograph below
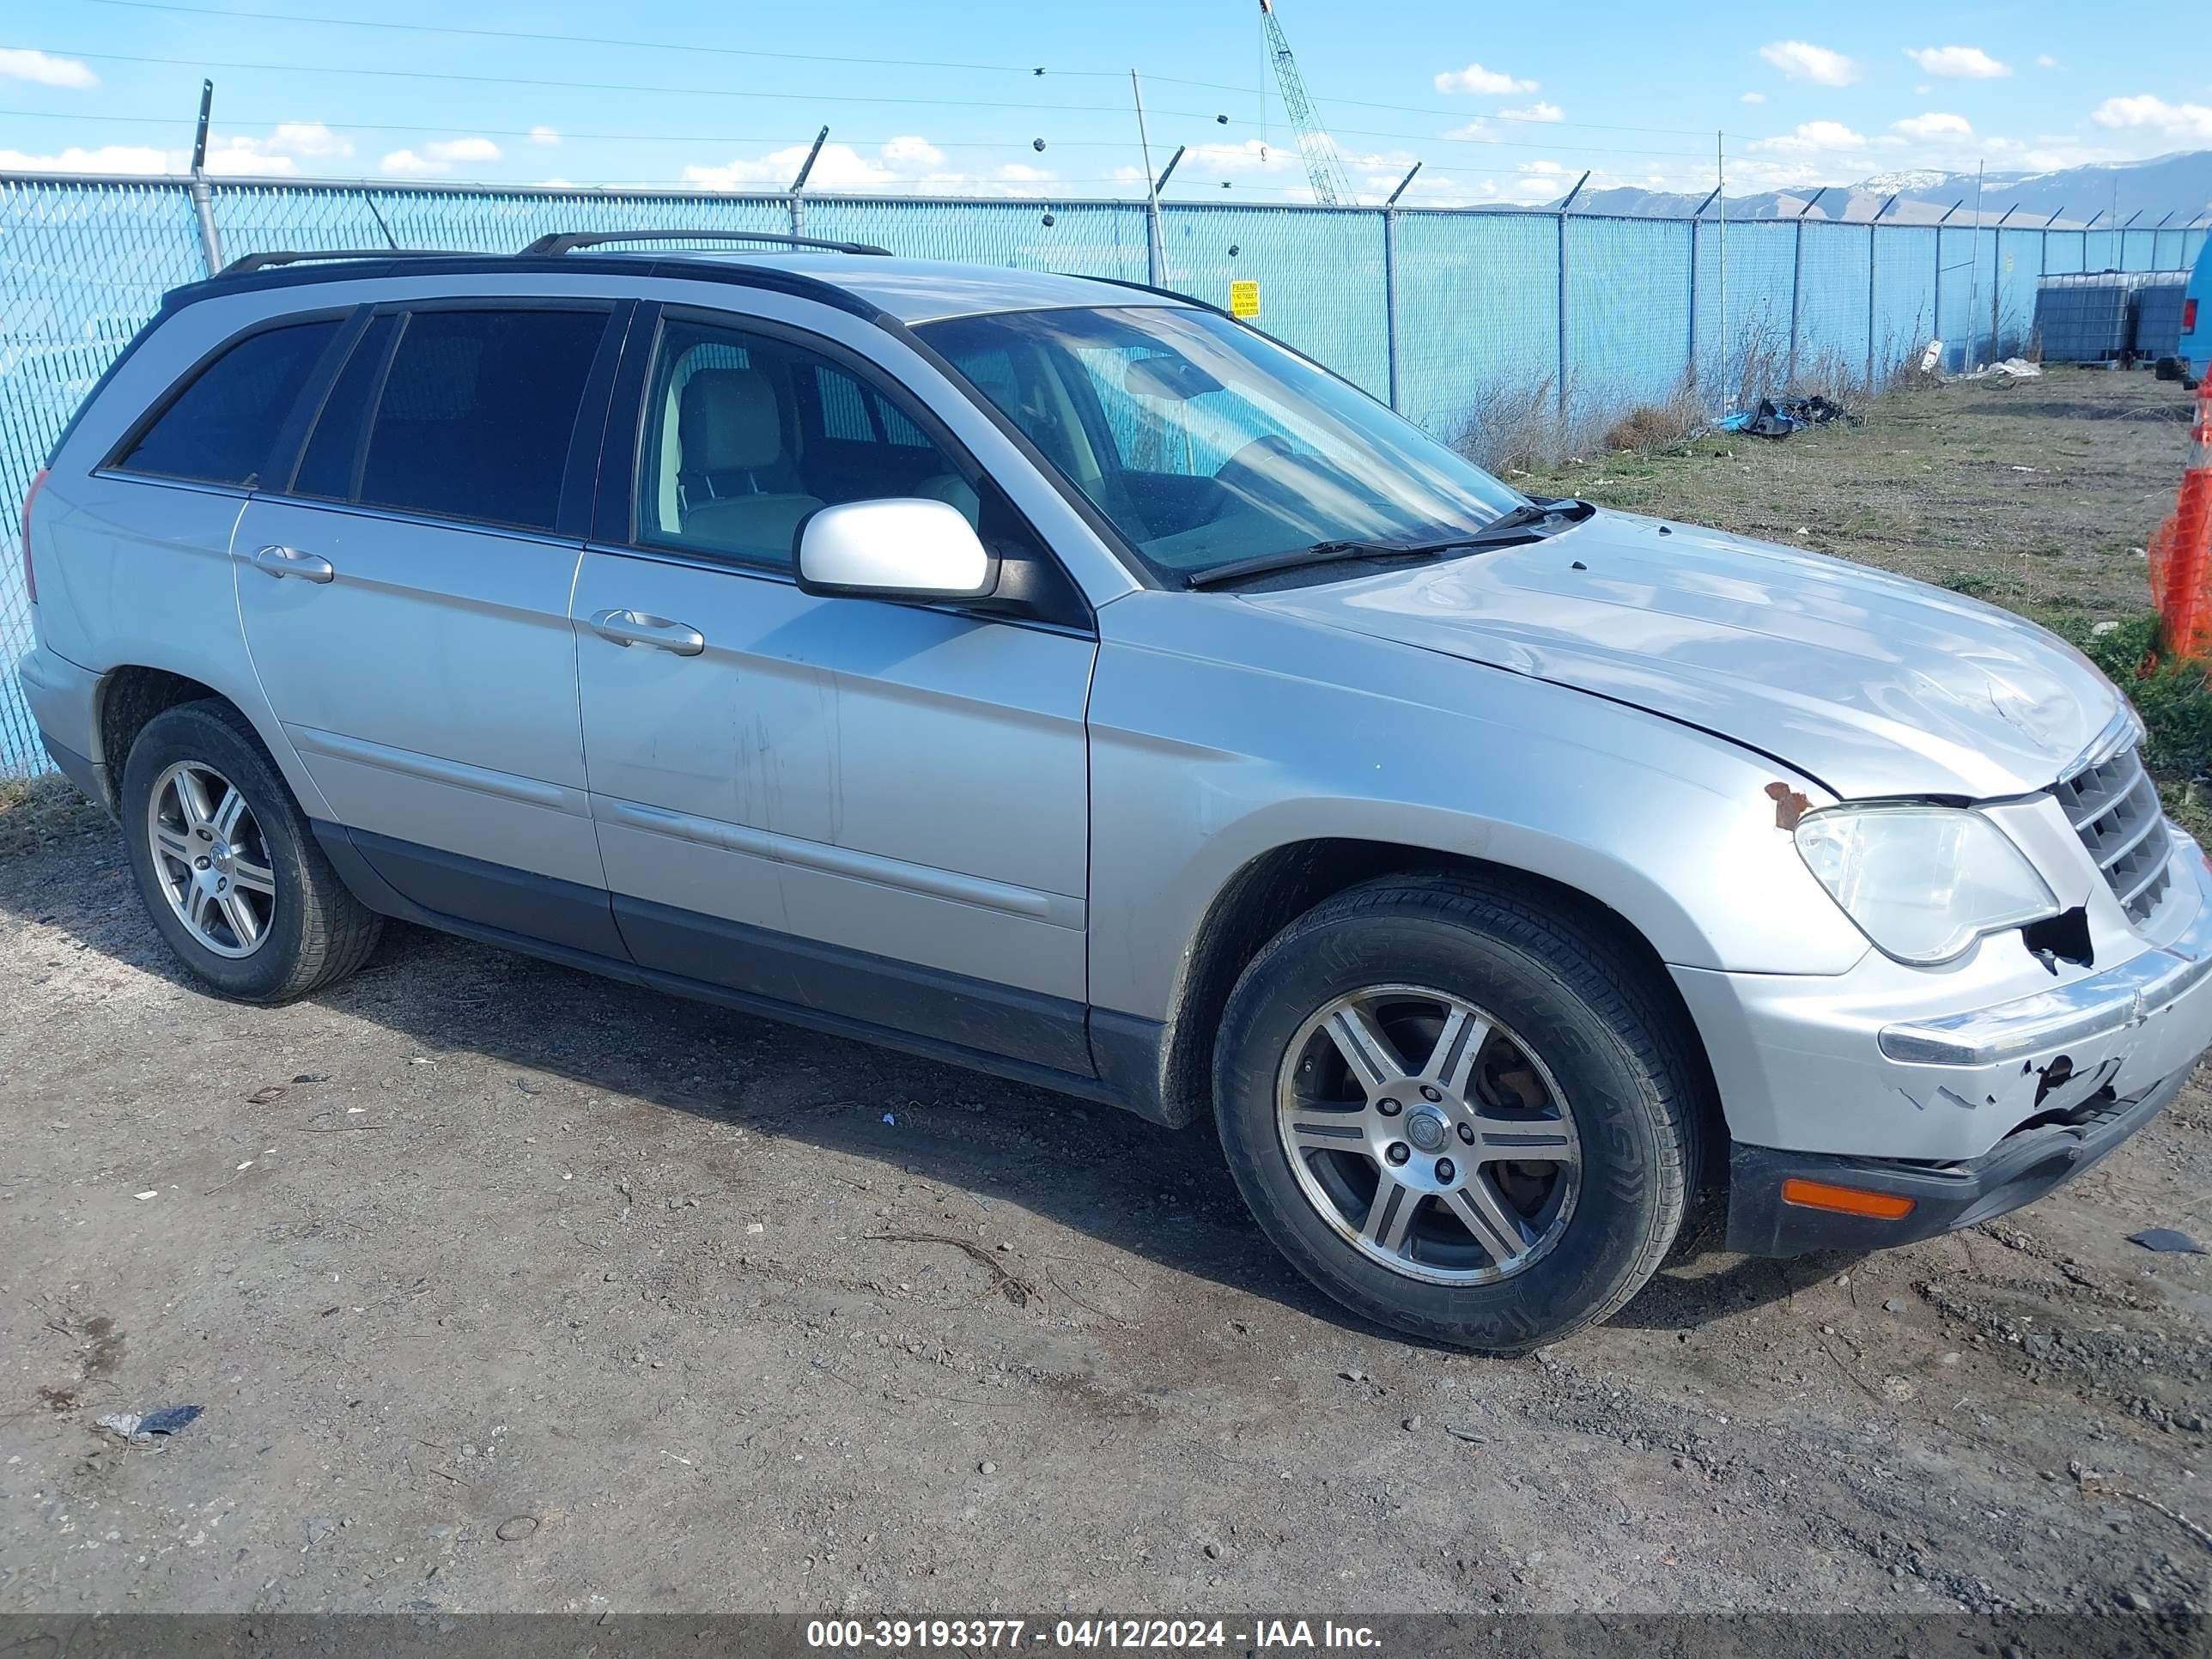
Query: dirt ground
506, 1288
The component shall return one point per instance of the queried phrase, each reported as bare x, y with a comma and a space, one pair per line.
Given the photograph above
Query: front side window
745, 434
476, 416
1206, 444
219, 428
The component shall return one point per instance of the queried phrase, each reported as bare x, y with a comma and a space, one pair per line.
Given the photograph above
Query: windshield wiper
1517, 524
1298, 558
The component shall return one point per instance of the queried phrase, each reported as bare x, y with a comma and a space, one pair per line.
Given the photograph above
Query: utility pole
1156, 241
202, 199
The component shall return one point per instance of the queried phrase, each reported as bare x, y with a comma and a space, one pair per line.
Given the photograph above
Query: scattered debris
268, 1096
1896, 1304
2012, 368
2166, 1241
987, 1468
151, 1192
313, 1077
892, 1118
138, 1428
1931, 359
1413, 1423
1778, 418
515, 1528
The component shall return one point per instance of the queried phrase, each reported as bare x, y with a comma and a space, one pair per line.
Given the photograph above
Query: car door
404, 592
874, 811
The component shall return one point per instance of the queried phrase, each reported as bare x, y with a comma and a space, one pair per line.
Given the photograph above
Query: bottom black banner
433, 1635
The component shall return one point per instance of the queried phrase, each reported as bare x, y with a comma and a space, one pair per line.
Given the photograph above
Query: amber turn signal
1848, 1201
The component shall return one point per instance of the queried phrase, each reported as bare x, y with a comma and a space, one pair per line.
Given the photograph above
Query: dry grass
34, 812
1513, 429
1650, 428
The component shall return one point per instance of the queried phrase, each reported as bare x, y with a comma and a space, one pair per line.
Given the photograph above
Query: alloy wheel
211, 859
1428, 1134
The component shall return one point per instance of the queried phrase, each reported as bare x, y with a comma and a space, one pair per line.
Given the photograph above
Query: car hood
1870, 683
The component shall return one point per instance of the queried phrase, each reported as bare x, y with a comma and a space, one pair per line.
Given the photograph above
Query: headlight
1923, 883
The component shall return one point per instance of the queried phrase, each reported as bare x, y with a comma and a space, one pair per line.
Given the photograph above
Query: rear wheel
226, 866
1462, 1114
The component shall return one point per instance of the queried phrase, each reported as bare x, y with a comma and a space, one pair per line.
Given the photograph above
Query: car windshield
1206, 444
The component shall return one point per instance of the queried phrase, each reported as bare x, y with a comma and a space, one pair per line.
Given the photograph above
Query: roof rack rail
241, 267
567, 241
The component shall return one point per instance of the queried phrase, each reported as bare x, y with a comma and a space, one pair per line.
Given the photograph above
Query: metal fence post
1390, 280
797, 215
1797, 286
1390, 297
202, 198
1561, 306
1872, 260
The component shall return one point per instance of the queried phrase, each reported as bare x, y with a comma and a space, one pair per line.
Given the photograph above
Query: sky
1496, 103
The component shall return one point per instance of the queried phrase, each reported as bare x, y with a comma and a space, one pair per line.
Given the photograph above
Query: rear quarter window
220, 428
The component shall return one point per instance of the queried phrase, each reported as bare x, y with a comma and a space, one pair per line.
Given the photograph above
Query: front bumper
1857, 1066
2022, 1168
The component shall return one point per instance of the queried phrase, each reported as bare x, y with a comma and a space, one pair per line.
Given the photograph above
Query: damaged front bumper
1926, 1199
1856, 1065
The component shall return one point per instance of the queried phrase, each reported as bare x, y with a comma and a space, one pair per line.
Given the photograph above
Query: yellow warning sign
1243, 299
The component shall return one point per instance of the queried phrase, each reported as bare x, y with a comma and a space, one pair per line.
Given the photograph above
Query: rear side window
476, 415
220, 428
332, 463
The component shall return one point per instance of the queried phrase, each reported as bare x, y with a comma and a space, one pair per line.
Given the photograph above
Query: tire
1580, 1053
299, 929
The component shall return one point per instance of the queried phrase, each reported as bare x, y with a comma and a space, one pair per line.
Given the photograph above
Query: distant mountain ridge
2179, 185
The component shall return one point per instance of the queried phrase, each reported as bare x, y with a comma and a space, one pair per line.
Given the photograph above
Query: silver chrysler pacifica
1065, 679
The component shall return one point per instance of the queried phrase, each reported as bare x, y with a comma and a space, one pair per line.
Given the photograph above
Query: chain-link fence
1460, 319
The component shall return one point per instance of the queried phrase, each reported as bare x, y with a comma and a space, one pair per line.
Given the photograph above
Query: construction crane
1330, 186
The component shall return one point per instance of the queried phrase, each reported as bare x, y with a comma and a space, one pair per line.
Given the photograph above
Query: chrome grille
2114, 808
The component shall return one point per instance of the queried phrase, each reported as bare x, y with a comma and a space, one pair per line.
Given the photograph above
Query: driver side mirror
900, 548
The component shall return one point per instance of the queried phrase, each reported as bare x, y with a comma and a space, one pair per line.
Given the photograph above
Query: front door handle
280, 561
635, 628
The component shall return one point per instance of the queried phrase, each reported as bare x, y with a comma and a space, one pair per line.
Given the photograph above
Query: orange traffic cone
2181, 552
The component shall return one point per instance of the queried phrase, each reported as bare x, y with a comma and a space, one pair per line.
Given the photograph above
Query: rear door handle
635, 628
280, 561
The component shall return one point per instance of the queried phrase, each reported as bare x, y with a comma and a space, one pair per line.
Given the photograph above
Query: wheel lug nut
1399, 1152
1389, 1107
1444, 1170
200, 863
1466, 1133
1431, 1095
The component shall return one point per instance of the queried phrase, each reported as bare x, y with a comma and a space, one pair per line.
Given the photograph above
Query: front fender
1205, 756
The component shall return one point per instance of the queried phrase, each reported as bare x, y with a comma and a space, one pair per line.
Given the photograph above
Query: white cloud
1475, 129
1935, 125
43, 69
229, 154
1958, 62
907, 150
1813, 138
1803, 61
1475, 78
1539, 111
2189, 121
310, 138
908, 162
1754, 98
108, 158
544, 135
2045, 60
439, 156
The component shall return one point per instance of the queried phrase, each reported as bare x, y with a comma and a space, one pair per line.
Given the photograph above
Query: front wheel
1460, 1113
